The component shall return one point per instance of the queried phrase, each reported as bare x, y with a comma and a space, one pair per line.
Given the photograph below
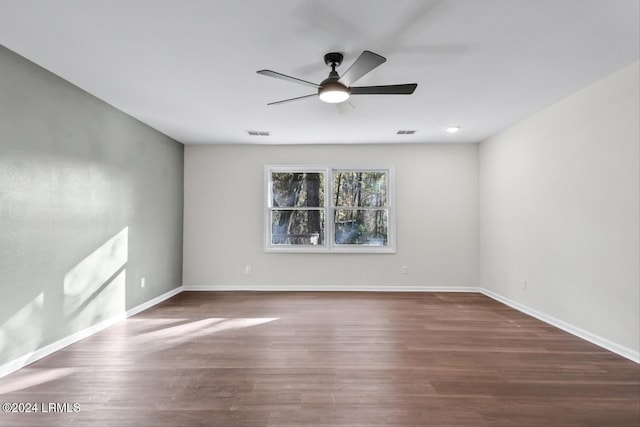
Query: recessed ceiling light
453, 129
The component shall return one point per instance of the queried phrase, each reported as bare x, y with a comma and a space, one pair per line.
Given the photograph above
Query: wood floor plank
329, 359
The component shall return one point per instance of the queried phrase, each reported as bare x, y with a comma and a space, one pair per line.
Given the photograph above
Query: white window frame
329, 245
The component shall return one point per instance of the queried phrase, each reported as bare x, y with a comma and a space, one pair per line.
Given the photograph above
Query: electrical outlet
524, 283
142, 282
247, 269
405, 270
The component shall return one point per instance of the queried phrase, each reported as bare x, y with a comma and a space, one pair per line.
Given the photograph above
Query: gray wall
91, 201
437, 220
560, 208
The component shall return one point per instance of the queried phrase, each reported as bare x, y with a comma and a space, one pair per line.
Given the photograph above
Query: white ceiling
188, 67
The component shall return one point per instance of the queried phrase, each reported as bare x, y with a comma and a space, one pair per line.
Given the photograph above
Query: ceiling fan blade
270, 73
405, 89
344, 107
284, 101
366, 62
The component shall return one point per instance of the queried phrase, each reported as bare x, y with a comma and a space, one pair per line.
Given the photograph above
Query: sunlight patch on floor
33, 377
187, 331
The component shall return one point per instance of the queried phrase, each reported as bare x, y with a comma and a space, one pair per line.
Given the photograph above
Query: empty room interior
320, 213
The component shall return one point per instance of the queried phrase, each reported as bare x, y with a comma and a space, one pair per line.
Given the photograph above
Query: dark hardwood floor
328, 359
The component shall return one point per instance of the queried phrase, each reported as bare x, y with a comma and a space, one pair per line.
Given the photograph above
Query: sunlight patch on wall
22, 332
94, 290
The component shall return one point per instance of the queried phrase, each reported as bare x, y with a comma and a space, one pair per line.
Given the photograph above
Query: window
297, 208
329, 209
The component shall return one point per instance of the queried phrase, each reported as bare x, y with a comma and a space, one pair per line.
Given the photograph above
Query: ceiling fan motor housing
330, 89
333, 92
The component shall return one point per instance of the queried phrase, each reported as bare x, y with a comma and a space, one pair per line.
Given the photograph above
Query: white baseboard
155, 301
38, 354
330, 288
574, 330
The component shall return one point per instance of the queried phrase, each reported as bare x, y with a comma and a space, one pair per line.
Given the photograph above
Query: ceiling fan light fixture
333, 93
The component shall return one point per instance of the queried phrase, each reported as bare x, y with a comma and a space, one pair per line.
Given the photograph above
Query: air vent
258, 132
405, 132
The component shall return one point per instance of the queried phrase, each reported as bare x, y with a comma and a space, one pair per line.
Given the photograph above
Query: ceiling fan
336, 89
